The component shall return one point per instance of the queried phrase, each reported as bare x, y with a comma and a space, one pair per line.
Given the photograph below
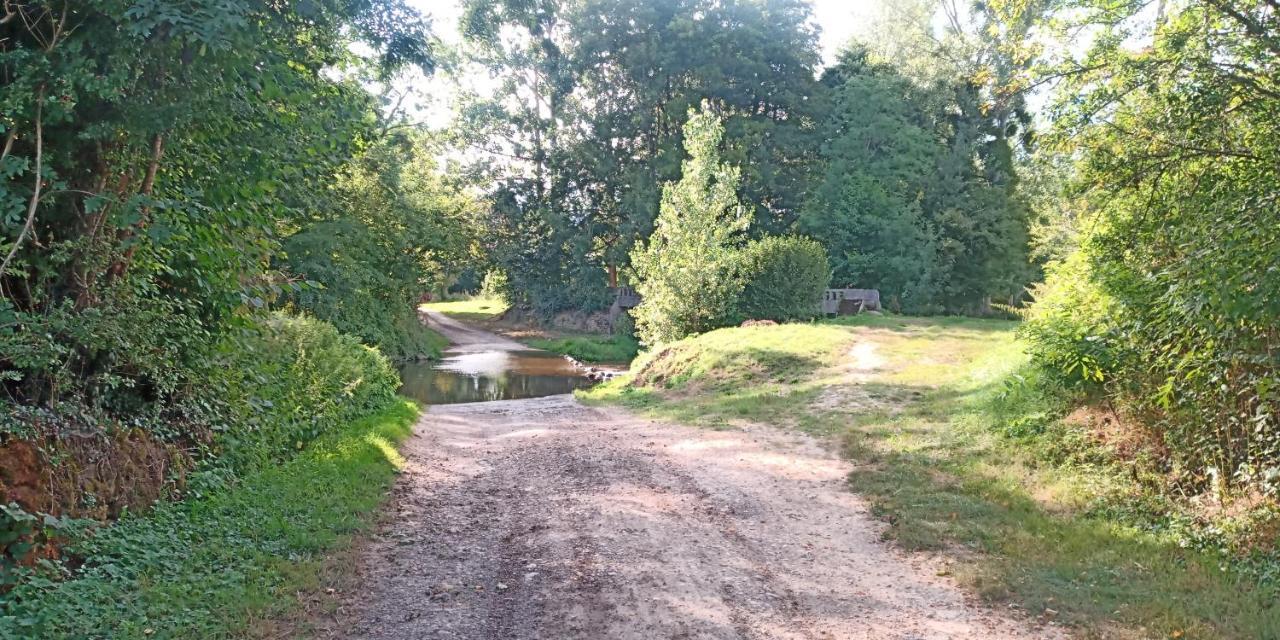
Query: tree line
908, 182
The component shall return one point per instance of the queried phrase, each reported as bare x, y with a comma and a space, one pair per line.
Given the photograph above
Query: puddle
490, 375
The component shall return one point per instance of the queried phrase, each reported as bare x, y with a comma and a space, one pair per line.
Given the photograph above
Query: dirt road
467, 339
547, 519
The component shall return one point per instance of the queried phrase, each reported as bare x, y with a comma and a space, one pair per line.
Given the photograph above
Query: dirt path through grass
548, 519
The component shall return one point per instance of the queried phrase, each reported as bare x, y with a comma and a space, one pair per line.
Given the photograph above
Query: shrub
785, 277
1067, 331
363, 288
274, 387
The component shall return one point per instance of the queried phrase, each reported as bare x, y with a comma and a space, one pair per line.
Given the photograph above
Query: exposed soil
546, 519
466, 339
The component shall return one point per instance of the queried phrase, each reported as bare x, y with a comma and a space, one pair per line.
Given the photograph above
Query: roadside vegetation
211, 242
221, 566
218, 219
960, 449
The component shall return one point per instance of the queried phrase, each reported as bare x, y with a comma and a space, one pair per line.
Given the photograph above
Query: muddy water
490, 375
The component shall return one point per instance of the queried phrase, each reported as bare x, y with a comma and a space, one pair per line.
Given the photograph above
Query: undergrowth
211, 567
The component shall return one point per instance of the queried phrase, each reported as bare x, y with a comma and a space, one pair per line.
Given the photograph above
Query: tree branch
8, 143
148, 184
35, 193
1251, 26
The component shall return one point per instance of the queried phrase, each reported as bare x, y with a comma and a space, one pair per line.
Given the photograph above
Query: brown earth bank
81, 474
89, 475
548, 519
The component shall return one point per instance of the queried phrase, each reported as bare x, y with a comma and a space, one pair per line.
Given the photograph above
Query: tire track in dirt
546, 519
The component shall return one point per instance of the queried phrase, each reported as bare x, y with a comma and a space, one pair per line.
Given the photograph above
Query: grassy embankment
962, 459
586, 347
226, 565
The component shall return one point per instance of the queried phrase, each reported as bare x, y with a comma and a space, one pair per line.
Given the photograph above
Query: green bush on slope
284, 383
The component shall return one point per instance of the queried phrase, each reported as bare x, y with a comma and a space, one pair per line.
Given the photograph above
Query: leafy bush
1181, 230
379, 245
785, 277
277, 386
1068, 330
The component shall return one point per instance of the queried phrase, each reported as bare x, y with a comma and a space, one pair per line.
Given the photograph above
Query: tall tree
866, 206
152, 151
688, 269
628, 72
907, 202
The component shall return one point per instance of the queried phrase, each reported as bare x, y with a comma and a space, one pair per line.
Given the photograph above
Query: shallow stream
490, 375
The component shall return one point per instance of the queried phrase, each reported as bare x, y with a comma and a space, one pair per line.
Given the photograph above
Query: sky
839, 20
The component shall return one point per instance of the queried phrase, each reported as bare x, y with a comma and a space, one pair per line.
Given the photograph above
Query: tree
912, 200
688, 269
146, 177
866, 206
590, 110
1174, 119
393, 229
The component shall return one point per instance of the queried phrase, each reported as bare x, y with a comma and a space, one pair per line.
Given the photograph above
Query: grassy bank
218, 567
962, 458
590, 347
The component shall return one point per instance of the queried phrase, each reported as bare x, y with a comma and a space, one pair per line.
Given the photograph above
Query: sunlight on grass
220, 566
471, 309
927, 425
590, 347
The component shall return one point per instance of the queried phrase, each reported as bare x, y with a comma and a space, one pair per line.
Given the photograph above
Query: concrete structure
624, 298
847, 302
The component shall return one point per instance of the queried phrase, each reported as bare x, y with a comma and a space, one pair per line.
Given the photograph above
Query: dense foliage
154, 155
395, 229
916, 195
587, 125
215, 566
1171, 300
907, 179
144, 177
282, 384
697, 272
783, 279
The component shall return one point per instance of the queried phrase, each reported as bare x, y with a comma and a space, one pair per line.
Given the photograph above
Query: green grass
219, 567
430, 343
960, 461
471, 309
590, 347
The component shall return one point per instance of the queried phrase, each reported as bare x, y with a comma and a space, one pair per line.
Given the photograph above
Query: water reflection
490, 375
